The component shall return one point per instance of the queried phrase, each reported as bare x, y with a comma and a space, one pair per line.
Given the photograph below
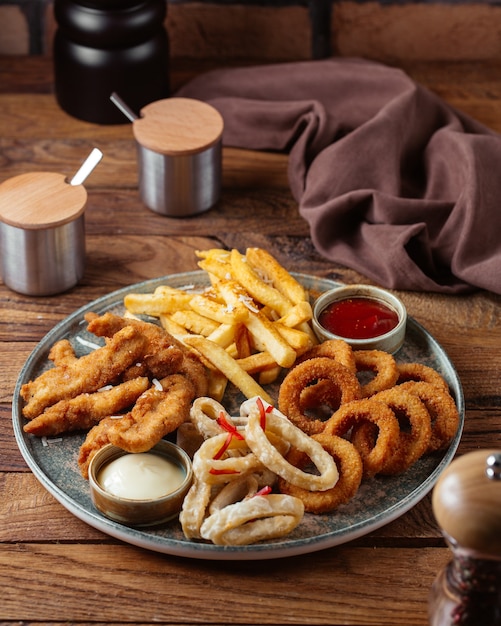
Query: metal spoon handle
87, 166
126, 110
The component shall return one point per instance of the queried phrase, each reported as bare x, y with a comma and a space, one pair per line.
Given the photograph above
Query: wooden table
56, 568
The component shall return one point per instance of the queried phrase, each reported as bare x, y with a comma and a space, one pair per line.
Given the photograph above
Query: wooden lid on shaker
178, 126
467, 501
40, 200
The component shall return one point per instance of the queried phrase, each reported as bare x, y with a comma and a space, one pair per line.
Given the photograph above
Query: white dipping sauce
141, 476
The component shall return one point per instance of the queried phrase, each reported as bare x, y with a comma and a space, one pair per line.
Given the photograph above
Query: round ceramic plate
378, 501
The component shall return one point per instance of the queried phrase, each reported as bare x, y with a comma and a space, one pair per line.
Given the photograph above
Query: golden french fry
216, 267
221, 313
217, 384
269, 376
156, 304
172, 327
242, 341
257, 362
257, 288
298, 314
297, 339
223, 335
267, 265
265, 332
194, 322
228, 366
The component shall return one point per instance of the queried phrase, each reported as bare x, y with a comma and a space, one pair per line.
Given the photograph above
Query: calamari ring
261, 443
204, 414
418, 372
194, 508
336, 349
309, 372
383, 366
414, 437
375, 413
350, 466
442, 409
234, 491
213, 464
254, 519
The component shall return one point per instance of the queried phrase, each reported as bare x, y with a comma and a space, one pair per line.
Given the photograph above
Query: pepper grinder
106, 46
467, 506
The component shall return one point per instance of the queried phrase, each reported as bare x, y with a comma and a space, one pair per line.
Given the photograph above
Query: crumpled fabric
393, 182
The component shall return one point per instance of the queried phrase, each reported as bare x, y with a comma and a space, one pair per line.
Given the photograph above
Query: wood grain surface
56, 569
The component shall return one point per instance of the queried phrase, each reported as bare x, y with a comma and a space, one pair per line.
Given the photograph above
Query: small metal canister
179, 143
42, 233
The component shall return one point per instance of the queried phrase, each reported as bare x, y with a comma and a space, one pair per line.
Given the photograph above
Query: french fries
253, 320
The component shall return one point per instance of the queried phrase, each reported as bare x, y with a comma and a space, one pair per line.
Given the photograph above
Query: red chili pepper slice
262, 413
223, 448
223, 422
263, 492
217, 472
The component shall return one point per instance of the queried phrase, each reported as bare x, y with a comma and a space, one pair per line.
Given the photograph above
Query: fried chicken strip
85, 374
156, 413
165, 354
86, 409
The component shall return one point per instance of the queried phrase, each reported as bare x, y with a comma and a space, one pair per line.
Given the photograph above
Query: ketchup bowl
366, 317
142, 489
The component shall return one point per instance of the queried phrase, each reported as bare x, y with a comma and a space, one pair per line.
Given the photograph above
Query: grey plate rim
184, 548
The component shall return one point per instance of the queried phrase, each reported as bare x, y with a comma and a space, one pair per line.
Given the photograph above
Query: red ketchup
358, 318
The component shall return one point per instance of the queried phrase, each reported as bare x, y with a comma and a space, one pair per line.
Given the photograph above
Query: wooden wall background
284, 30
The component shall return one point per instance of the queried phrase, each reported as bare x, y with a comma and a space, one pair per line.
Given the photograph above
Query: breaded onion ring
350, 468
414, 430
442, 409
254, 519
382, 365
259, 433
309, 372
336, 349
349, 415
418, 372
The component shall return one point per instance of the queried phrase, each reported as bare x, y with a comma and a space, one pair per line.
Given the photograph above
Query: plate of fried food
296, 445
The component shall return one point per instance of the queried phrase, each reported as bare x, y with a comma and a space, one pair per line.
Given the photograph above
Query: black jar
106, 46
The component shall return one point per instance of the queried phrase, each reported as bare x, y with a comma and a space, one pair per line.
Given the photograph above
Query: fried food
336, 349
379, 414
156, 413
86, 409
379, 363
350, 467
414, 434
443, 411
341, 382
253, 519
420, 372
265, 421
84, 375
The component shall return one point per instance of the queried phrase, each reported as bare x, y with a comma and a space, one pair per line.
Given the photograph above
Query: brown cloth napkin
393, 182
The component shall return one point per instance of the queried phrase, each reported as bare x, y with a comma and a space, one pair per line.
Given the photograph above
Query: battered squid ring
377, 414
413, 443
336, 349
204, 414
213, 464
442, 409
418, 372
194, 508
260, 441
350, 466
254, 519
309, 372
383, 366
